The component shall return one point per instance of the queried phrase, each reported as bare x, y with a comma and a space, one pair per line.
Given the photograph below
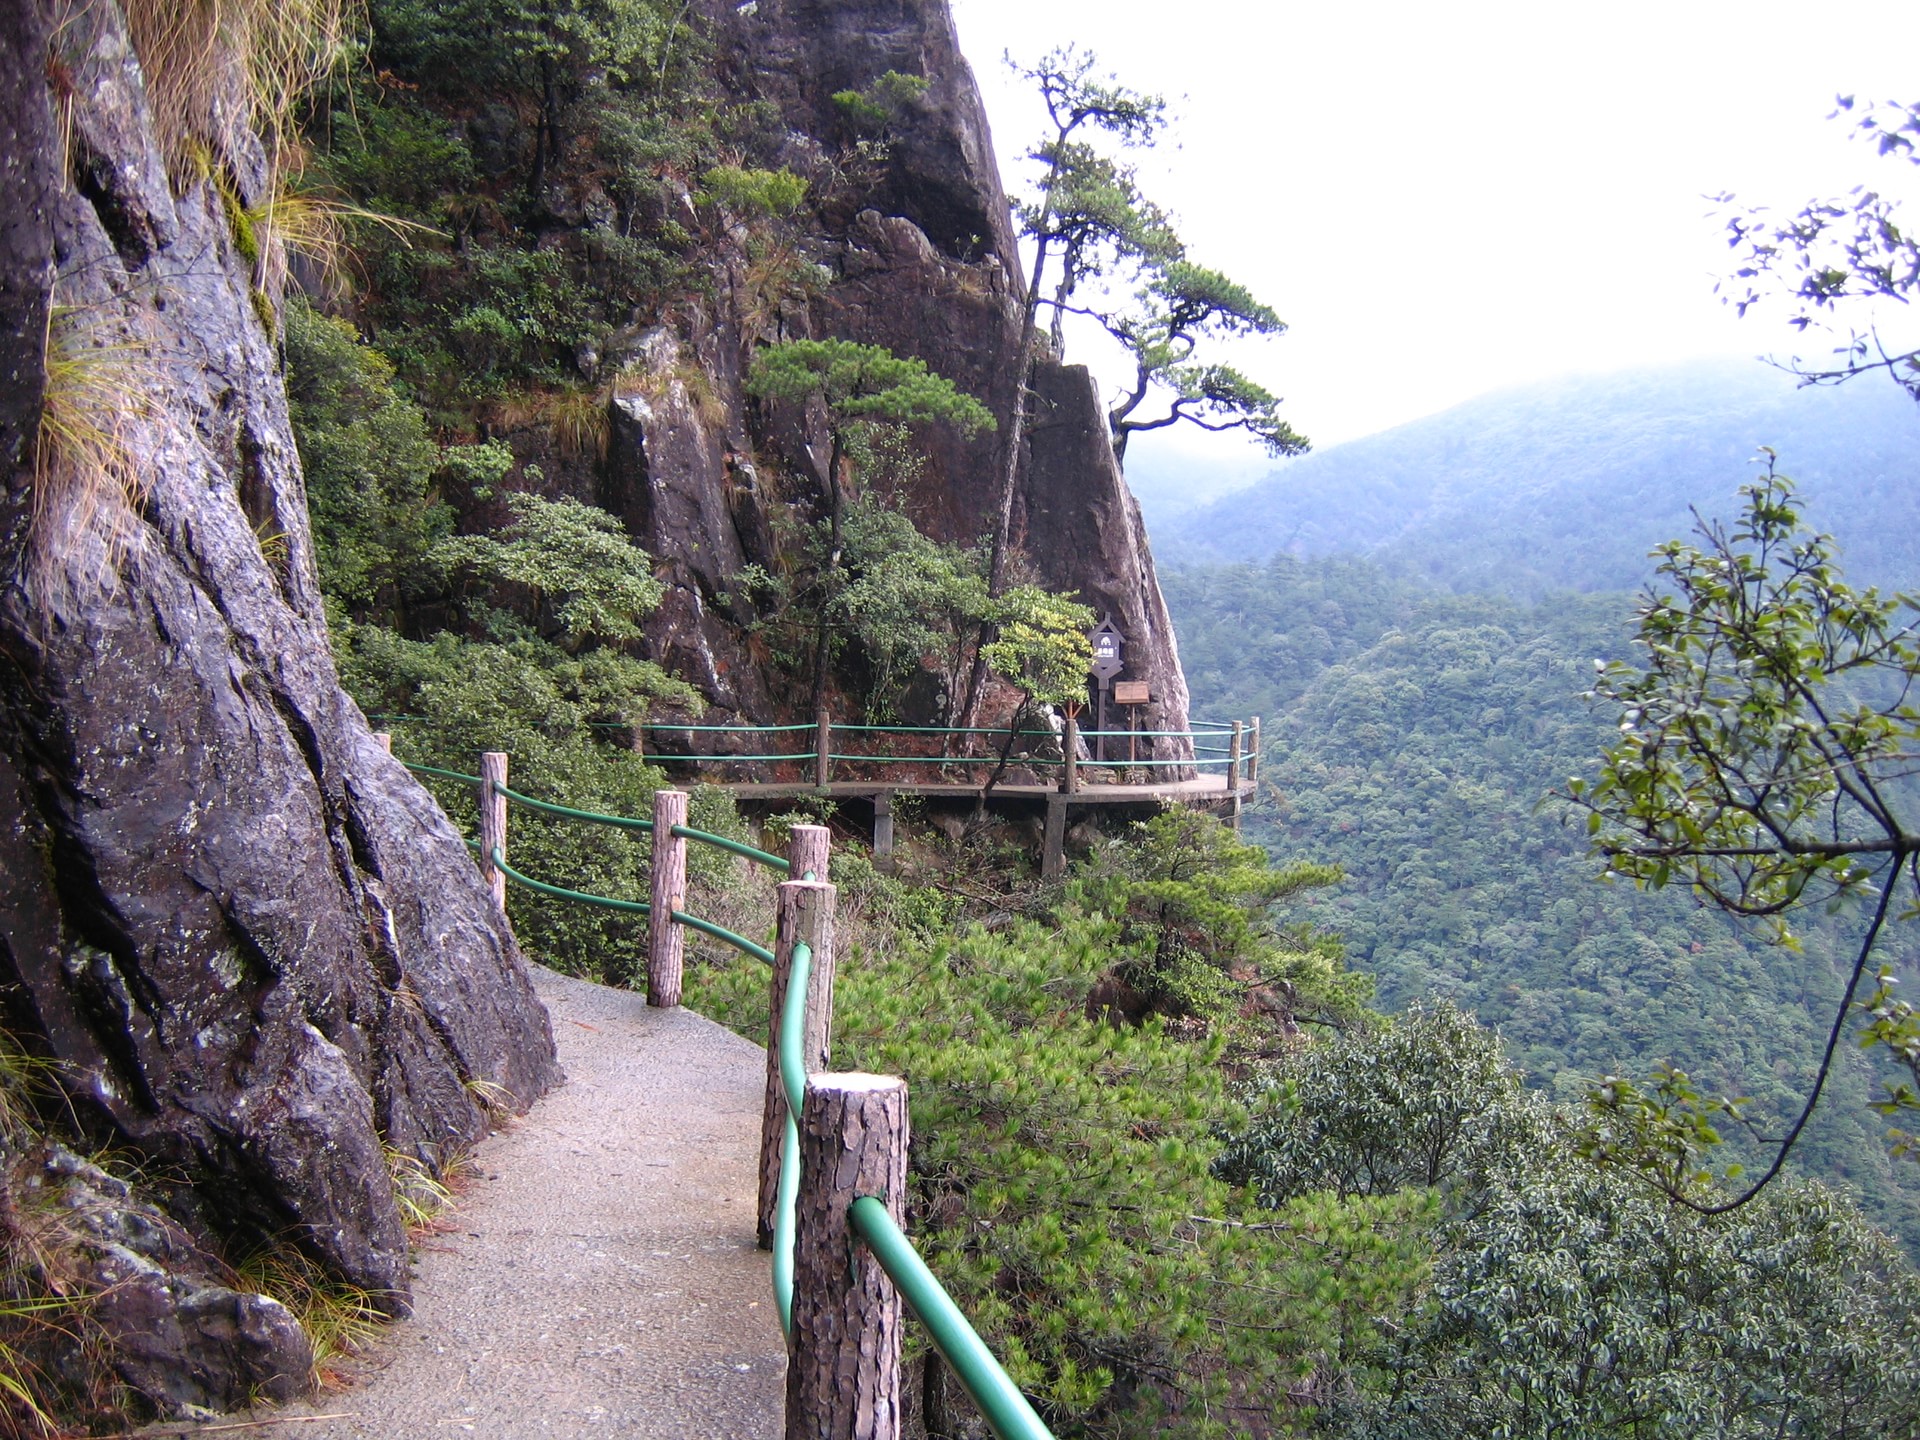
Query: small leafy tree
1839, 255
1766, 746
1040, 647
858, 386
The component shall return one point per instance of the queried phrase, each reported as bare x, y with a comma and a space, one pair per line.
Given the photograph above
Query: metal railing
865, 1351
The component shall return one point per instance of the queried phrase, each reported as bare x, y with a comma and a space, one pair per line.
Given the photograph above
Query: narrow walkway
601, 1277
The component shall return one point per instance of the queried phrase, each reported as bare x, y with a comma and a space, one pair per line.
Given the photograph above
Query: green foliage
863, 383
1197, 929
875, 109
1424, 1100
584, 579
1564, 1299
1410, 738
757, 194
369, 462
1764, 750
1061, 1189
1040, 645
1839, 255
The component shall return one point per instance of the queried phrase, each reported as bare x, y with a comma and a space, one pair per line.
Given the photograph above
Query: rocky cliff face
256, 951
922, 259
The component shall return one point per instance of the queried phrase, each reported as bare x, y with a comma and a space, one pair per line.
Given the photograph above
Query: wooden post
843, 1361
822, 749
493, 822
1253, 757
383, 740
1233, 774
1053, 851
666, 941
1070, 750
882, 825
809, 847
805, 913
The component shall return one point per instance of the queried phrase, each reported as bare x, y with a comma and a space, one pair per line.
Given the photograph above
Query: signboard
1130, 692
1106, 651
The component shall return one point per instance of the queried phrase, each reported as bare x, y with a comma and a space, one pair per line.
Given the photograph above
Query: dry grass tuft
87, 488
341, 1320
219, 69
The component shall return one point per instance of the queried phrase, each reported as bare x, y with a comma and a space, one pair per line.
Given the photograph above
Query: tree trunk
258, 950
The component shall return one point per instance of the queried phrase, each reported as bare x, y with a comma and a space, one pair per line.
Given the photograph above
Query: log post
493, 822
1070, 752
882, 825
843, 1361
809, 848
805, 913
822, 748
383, 740
1053, 847
666, 941
1233, 774
1253, 756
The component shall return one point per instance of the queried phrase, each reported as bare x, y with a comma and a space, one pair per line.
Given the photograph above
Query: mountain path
598, 1277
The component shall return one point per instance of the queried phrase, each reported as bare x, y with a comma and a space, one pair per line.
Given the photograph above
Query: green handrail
793, 1079
736, 847
1000, 1401
638, 907
624, 822
720, 932
443, 774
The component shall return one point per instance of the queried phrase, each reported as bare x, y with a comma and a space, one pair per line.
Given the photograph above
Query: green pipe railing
734, 847
567, 812
1005, 1408
637, 907
720, 932
793, 1079
442, 774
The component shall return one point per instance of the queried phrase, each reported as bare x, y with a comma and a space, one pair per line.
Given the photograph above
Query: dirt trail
600, 1278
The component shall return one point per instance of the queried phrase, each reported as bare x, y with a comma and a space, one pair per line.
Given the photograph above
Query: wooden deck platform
1200, 791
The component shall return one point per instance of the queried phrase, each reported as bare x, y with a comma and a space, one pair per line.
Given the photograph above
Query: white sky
1446, 198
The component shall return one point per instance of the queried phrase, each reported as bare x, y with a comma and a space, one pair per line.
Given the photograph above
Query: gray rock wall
259, 952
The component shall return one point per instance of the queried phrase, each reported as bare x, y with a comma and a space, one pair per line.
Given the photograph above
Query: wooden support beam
1233, 774
1070, 751
493, 823
666, 941
804, 912
882, 825
843, 1359
1053, 852
1253, 757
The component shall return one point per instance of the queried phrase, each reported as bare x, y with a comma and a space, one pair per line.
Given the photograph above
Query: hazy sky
1443, 199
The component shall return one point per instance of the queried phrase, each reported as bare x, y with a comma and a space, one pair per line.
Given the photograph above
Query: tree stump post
805, 913
1233, 774
383, 740
1070, 752
809, 848
493, 822
666, 941
1053, 847
822, 748
1253, 755
843, 1360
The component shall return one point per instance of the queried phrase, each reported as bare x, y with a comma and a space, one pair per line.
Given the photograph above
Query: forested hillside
1567, 485
1413, 738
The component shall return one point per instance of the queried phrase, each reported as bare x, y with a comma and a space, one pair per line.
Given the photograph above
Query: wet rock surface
256, 949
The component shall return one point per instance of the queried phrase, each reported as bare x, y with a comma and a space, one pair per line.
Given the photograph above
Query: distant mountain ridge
1566, 485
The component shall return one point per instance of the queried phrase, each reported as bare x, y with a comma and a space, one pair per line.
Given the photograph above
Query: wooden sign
1130, 692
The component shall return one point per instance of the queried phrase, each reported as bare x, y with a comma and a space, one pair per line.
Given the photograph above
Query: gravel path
600, 1278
